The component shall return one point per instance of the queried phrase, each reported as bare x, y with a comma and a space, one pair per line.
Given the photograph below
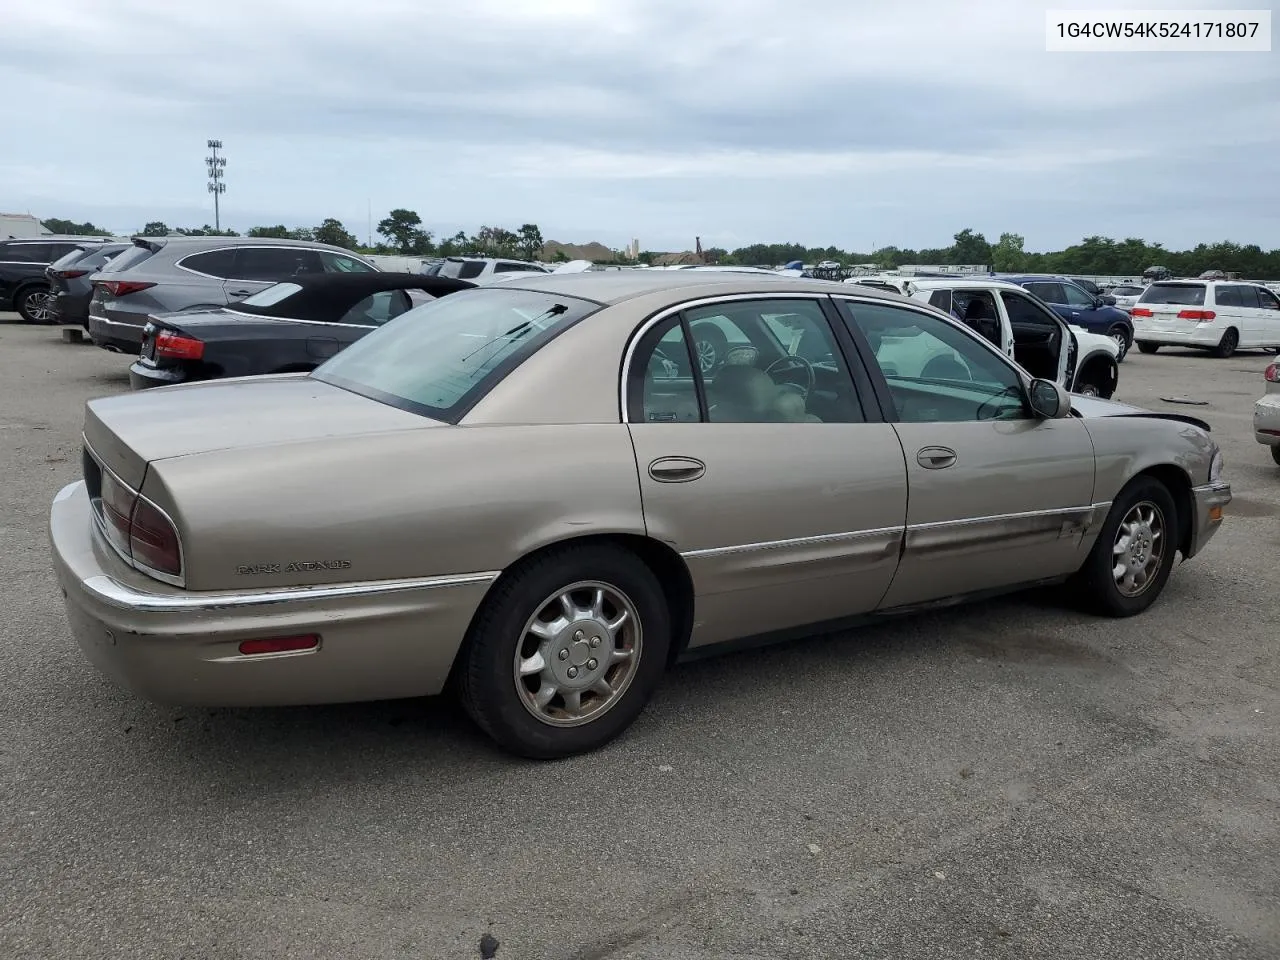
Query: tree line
401, 232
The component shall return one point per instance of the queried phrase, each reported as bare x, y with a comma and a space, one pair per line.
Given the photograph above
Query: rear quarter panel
451, 500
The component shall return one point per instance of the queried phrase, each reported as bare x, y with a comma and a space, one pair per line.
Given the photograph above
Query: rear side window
342, 263
1248, 298
511, 268
275, 263
1227, 297
27, 253
130, 258
215, 263
469, 269
1188, 294
439, 359
1048, 292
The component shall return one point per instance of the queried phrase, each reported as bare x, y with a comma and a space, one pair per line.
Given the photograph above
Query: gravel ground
1012, 779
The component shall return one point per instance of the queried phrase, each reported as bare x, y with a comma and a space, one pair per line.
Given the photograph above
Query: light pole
216, 186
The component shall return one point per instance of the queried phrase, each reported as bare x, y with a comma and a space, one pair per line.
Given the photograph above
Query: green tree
332, 232
156, 228
400, 227
422, 244
1007, 255
278, 232
86, 229
970, 247
529, 241
303, 233
495, 242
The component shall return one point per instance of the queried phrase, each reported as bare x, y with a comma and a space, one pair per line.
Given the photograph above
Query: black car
71, 281
289, 327
23, 284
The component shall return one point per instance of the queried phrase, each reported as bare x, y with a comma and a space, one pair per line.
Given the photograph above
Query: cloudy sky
841, 122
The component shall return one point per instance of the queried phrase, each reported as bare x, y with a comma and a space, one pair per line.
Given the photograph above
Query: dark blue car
1080, 307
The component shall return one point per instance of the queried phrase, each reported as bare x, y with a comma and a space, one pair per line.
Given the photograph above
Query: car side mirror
1107, 301
1049, 401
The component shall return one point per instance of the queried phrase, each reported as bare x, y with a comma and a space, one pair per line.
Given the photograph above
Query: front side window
1247, 296
1266, 299
441, 358
343, 263
936, 372
1077, 297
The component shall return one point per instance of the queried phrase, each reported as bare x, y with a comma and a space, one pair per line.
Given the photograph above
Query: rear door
257, 268
785, 493
1164, 301
997, 496
1250, 326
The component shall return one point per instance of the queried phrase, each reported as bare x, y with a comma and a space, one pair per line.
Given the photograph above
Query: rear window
100, 255
1191, 294
68, 259
129, 259
441, 358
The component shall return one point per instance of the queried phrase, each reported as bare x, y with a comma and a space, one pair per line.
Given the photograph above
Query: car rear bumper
71, 307
115, 335
143, 375
1266, 420
378, 640
1199, 335
1209, 501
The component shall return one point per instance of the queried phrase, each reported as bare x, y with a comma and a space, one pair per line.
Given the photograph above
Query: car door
996, 496
1082, 308
1268, 317
257, 268
787, 503
1251, 334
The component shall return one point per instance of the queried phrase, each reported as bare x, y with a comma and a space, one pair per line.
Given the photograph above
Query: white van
1218, 315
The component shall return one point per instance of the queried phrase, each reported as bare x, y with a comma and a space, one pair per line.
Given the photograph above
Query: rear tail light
1200, 316
1141, 312
122, 288
177, 346
69, 274
138, 528
252, 648
1272, 373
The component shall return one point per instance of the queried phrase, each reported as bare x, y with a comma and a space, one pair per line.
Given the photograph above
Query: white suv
483, 269
1218, 315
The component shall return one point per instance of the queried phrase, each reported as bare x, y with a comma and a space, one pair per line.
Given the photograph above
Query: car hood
1089, 407
130, 430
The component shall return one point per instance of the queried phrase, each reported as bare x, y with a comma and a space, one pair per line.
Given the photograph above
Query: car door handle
676, 469
936, 458
239, 293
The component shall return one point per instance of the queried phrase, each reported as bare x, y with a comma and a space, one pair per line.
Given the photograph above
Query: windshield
1191, 294
439, 359
272, 295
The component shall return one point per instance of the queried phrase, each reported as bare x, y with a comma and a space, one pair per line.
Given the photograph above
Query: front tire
1227, 345
35, 305
1132, 558
1275, 455
1148, 347
566, 651
1121, 338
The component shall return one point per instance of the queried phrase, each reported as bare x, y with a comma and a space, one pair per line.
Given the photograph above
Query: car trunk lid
129, 431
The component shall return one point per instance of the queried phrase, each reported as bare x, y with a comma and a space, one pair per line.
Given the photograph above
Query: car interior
1037, 335
784, 367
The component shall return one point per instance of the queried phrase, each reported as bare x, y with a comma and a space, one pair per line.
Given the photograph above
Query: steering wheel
790, 363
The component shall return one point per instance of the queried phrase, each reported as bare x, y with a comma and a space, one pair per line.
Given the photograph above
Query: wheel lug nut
578, 635
564, 654
592, 663
595, 642
573, 672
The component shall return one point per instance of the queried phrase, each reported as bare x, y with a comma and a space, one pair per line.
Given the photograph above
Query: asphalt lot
1013, 779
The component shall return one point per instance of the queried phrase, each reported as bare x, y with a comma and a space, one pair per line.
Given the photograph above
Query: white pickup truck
1027, 330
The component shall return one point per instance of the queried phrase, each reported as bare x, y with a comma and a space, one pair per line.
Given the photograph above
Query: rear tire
1121, 337
1132, 558
34, 304
1227, 345
1275, 454
1148, 347
603, 651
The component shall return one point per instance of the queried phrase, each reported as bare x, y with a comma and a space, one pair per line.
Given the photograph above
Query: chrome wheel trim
1087, 390
577, 654
39, 305
1121, 341
1139, 549
707, 355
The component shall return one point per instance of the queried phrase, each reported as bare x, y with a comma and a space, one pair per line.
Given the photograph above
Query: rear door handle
935, 458
239, 293
676, 469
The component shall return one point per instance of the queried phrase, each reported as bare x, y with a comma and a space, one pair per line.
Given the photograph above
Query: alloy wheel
39, 306
578, 654
1139, 548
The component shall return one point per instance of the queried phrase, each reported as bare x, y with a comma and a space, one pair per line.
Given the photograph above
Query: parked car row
560, 493
25, 285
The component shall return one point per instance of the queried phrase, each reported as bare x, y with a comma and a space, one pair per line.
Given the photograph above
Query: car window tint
790, 371
469, 270
1075, 296
937, 372
440, 358
1266, 299
342, 263
214, 263
377, 308
1186, 294
662, 387
506, 267
1225, 295
941, 299
27, 253
1048, 292
1025, 310
275, 263
1248, 296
